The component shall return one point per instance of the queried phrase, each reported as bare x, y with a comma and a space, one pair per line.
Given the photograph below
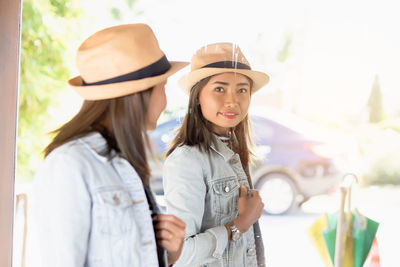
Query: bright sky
338, 46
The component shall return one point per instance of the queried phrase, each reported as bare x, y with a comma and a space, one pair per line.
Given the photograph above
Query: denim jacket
202, 189
92, 210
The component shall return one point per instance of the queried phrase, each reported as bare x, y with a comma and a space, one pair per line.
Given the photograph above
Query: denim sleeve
185, 193
62, 212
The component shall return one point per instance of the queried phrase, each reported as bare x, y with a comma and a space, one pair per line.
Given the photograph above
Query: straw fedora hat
219, 58
119, 61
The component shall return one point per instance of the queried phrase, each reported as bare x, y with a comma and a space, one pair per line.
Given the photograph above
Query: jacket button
117, 201
227, 189
251, 251
234, 161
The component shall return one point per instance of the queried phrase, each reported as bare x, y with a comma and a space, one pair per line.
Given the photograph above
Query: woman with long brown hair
95, 207
206, 173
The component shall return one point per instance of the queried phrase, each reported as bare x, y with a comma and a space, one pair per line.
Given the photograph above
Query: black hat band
228, 65
157, 68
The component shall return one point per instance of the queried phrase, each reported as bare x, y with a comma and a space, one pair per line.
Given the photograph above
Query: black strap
257, 232
159, 67
161, 252
228, 65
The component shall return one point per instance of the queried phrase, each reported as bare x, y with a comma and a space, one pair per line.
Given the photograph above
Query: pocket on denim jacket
226, 194
114, 212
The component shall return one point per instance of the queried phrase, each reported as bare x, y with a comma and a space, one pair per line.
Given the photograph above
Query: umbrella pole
339, 230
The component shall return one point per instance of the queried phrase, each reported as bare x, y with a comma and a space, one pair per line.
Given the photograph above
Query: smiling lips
229, 115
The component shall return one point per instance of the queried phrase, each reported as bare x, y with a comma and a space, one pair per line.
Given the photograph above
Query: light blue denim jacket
91, 210
203, 189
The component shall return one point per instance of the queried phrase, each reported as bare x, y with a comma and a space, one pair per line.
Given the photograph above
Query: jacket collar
222, 149
96, 144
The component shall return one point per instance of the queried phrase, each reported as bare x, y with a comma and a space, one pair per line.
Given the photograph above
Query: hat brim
259, 79
113, 90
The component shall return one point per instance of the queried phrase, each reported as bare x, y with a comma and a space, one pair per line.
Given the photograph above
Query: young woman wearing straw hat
92, 192
206, 177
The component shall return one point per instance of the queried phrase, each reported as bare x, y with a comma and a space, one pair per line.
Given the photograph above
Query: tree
375, 102
285, 52
46, 27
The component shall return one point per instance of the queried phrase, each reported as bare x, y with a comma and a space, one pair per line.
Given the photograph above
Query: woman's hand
250, 207
170, 232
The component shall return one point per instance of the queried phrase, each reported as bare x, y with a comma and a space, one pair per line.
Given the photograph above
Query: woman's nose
231, 99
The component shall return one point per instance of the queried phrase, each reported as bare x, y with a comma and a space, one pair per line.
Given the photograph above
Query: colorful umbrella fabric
357, 239
315, 234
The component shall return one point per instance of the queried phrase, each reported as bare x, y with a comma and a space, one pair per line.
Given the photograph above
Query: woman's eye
243, 90
219, 89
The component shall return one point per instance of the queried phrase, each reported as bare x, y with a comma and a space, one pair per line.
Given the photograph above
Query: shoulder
64, 167
73, 150
90, 147
186, 159
185, 153
74, 155
184, 165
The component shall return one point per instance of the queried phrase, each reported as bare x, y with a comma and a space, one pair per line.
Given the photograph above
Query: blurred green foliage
286, 51
385, 170
48, 28
375, 102
380, 150
391, 123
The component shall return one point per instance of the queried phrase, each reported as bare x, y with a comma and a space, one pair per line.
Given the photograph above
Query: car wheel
278, 193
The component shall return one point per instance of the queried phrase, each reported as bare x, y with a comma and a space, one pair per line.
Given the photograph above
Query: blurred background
332, 106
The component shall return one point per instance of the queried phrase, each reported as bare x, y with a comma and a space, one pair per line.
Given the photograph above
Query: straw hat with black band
218, 58
119, 61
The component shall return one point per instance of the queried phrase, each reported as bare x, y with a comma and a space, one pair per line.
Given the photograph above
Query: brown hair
196, 130
127, 133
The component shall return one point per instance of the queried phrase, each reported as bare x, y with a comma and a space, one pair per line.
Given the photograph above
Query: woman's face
225, 100
157, 104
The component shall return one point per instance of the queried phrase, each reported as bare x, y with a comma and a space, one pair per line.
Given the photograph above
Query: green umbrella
329, 235
363, 232
349, 235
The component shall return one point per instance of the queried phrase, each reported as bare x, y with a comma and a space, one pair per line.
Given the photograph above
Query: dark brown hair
196, 130
126, 133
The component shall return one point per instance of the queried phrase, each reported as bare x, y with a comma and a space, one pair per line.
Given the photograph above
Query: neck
106, 123
225, 135
226, 139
